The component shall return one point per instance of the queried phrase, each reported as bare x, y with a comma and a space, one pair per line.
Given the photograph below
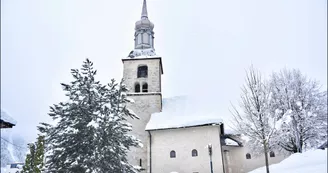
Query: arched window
194, 153
145, 38
139, 39
272, 154
172, 154
142, 71
145, 87
248, 156
137, 88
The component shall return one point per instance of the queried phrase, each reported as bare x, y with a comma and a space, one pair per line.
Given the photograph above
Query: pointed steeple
144, 35
144, 14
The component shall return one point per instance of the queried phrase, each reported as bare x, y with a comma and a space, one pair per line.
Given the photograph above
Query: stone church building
175, 137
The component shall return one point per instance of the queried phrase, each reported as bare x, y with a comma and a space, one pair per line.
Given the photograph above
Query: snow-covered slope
314, 161
13, 147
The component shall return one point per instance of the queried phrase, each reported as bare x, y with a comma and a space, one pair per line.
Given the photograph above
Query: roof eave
4, 124
202, 125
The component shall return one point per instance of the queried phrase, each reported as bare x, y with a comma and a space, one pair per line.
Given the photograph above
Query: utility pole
209, 146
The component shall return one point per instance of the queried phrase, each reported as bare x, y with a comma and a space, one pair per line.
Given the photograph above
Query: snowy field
314, 161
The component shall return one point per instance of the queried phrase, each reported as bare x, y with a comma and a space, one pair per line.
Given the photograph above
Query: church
176, 137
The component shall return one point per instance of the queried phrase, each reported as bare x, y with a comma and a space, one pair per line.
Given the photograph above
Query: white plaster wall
183, 141
154, 74
239, 164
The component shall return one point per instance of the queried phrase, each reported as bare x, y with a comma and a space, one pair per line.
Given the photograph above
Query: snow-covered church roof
6, 118
182, 111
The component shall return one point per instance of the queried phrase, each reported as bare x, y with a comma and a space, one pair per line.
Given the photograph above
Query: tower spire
144, 35
144, 14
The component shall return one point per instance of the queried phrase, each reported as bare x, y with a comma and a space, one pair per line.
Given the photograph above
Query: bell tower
142, 70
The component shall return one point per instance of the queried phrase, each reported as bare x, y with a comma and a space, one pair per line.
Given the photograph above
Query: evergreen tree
91, 130
113, 140
29, 161
39, 155
34, 162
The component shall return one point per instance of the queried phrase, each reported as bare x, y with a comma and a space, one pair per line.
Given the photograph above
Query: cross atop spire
144, 14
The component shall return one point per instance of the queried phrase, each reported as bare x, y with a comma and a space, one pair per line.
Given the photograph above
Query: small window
248, 156
272, 154
194, 153
145, 87
137, 88
172, 154
140, 162
142, 71
13, 165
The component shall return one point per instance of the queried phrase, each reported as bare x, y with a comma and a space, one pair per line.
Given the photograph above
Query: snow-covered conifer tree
113, 140
39, 155
302, 109
34, 162
91, 130
255, 119
29, 160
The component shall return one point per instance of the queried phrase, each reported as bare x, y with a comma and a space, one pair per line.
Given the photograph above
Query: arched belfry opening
137, 87
145, 88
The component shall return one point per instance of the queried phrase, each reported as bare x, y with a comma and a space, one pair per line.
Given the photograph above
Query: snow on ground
313, 161
5, 117
180, 112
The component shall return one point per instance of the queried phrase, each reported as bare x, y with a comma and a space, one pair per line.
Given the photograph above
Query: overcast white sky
205, 44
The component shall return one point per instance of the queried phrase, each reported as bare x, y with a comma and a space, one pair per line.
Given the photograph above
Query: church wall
237, 162
143, 107
183, 141
154, 74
